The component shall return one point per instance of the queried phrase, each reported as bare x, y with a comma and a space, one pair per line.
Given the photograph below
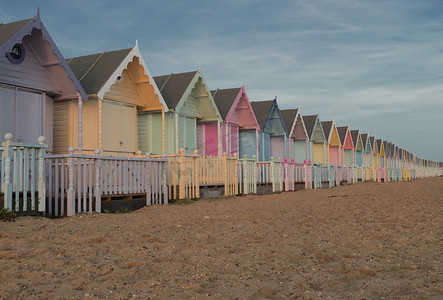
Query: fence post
272, 171
148, 179
70, 205
181, 179
165, 179
225, 173
254, 173
97, 191
7, 185
235, 174
41, 176
196, 175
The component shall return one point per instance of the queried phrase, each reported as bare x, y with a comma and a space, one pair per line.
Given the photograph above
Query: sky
375, 65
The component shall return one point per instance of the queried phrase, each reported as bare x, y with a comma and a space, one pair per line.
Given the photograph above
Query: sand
363, 241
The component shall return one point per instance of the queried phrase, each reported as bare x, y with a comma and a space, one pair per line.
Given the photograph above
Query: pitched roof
173, 86
385, 143
327, 125
288, 116
354, 135
261, 111
94, 70
7, 31
224, 99
364, 138
14, 32
310, 123
379, 145
342, 133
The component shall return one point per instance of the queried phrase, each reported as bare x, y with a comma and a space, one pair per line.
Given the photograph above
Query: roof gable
356, 140
47, 53
345, 137
189, 95
374, 145
269, 117
100, 73
314, 128
235, 107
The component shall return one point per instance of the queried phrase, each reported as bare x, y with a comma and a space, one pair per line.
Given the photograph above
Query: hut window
17, 54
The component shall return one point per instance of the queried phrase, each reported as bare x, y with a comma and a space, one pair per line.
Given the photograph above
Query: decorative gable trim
135, 52
36, 23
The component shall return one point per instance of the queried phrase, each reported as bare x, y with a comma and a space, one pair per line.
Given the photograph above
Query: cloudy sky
376, 65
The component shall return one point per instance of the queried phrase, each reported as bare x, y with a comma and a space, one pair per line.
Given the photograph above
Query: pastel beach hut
317, 139
119, 86
333, 145
347, 145
272, 135
381, 153
34, 78
297, 141
238, 119
375, 152
367, 149
193, 120
358, 147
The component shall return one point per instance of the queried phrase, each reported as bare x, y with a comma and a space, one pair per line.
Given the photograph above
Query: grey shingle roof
8, 30
379, 145
354, 135
94, 70
342, 133
224, 99
288, 116
364, 138
327, 128
310, 124
173, 86
261, 111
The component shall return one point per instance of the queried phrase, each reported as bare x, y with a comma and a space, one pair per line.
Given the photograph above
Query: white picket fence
22, 175
76, 183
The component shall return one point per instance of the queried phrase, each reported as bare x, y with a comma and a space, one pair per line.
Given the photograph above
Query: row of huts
109, 101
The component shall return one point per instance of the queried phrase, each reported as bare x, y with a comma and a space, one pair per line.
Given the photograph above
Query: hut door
21, 114
119, 127
28, 116
127, 129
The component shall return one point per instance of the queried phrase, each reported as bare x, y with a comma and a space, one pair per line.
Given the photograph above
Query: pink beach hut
238, 117
348, 145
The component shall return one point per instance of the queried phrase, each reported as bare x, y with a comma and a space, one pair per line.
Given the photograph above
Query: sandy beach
362, 241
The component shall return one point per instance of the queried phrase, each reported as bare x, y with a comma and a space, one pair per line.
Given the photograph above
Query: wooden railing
76, 183
22, 175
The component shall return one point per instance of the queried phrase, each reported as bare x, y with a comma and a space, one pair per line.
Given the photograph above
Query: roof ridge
95, 62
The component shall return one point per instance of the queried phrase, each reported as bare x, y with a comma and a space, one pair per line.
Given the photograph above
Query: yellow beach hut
119, 85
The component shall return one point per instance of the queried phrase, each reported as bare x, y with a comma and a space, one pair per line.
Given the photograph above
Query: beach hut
381, 153
34, 76
375, 152
297, 141
193, 120
298, 136
367, 149
333, 146
358, 147
347, 145
238, 119
272, 134
119, 86
317, 139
